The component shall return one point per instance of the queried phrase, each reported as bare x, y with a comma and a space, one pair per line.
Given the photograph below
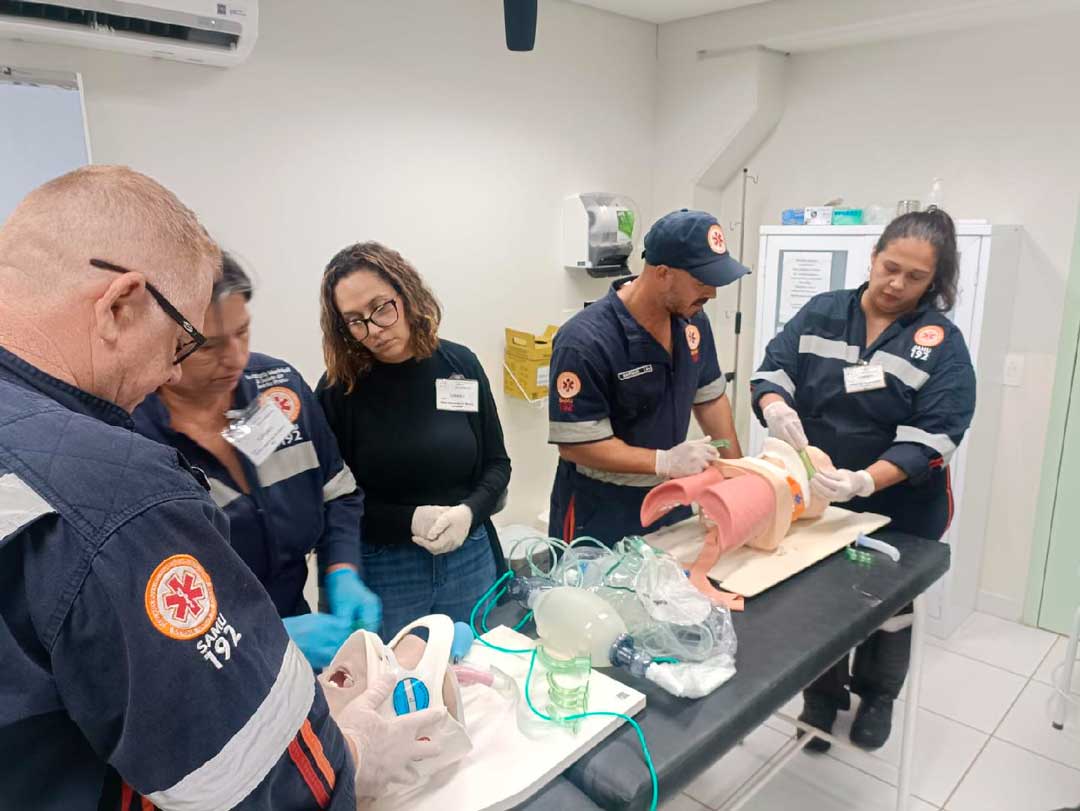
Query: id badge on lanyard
257, 430
457, 394
863, 377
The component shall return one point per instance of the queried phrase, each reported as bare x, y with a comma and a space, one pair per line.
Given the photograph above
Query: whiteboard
42, 130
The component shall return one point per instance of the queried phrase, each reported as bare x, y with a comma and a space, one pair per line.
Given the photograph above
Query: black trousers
877, 669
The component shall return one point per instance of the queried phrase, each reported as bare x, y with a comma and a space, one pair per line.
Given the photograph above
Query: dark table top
558, 795
788, 636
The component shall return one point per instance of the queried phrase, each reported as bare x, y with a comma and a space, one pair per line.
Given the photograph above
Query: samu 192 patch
284, 398
693, 341
180, 598
930, 336
568, 385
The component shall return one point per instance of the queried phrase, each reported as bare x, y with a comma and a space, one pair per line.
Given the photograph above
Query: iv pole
733, 376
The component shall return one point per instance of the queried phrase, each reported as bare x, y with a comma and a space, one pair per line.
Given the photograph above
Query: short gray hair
234, 280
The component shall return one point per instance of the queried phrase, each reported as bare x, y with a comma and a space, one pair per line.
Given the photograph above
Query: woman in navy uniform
881, 380
301, 498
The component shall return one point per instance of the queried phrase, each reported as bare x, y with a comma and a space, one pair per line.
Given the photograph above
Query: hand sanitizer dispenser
598, 231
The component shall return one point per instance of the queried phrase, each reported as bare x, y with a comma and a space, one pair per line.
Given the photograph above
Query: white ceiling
665, 11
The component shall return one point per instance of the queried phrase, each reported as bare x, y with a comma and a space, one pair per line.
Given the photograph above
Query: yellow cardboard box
527, 359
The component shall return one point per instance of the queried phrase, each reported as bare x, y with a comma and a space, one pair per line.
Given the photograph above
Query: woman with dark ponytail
880, 379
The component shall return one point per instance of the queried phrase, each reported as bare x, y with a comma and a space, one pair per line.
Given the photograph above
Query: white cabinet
836, 257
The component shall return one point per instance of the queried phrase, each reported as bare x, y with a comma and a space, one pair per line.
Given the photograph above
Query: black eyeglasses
385, 315
184, 347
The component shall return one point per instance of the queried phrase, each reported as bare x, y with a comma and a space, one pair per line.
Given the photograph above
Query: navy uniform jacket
610, 377
132, 637
302, 497
916, 421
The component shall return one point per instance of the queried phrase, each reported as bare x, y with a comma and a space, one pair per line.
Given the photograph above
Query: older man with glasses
138, 655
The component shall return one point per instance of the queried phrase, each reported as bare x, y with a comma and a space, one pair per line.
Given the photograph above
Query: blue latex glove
463, 641
351, 600
318, 635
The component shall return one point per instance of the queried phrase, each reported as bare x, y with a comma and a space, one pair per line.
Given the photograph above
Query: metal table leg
1060, 703
911, 707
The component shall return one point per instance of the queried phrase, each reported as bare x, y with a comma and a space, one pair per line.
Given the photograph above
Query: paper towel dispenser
598, 231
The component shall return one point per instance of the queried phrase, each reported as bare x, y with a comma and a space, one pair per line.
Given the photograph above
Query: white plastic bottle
936, 197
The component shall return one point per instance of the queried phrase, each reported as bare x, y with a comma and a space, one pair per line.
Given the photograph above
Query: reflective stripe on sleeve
225, 779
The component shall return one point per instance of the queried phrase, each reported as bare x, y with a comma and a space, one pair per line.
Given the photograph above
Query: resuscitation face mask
423, 679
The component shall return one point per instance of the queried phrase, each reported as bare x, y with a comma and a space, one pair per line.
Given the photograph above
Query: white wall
993, 111
408, 122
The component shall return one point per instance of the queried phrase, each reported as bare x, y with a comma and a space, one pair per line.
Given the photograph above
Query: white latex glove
448, 532
423, 518
386, 748
784, 423
686, 459
842, 485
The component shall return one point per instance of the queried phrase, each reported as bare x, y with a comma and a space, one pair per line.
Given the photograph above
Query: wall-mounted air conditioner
200, 31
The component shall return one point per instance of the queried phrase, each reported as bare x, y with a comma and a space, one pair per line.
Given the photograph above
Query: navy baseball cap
693, 241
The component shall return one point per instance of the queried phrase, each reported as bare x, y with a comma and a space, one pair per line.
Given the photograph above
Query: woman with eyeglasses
285, 497
416, 422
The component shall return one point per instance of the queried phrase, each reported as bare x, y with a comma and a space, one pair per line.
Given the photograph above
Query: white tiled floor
984, 739
1026, 726
968, 691
1008, 777
1007, 645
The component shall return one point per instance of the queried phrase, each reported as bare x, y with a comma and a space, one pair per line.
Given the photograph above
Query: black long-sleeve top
405, 452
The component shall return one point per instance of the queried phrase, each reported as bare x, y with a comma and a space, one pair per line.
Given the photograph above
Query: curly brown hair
347, 360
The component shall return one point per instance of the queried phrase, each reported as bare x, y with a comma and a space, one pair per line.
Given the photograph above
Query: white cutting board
749, 571
508, 765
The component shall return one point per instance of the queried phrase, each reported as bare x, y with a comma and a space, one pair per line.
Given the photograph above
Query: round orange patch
716, 239
180, 598
930, 336
693, 337
284, 398
568, 385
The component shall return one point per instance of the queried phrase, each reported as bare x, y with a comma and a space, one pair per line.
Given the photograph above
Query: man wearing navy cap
626, 374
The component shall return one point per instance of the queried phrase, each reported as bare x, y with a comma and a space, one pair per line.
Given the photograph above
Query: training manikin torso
424, 677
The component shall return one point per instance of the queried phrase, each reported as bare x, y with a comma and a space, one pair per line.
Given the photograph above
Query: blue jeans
412, 583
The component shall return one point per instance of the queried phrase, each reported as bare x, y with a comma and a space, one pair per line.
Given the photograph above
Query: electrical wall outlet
1013, 374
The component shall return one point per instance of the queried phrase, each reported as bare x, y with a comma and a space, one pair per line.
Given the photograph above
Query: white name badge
456, 394
863, 378
258, 433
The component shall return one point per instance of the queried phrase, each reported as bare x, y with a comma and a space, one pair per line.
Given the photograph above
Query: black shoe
873, 722
820, 713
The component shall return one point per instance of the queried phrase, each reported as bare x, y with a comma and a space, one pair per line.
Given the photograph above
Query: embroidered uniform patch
693, 338
180, 598
568, 385
930, 336
920, 352
284, 398
716, 239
